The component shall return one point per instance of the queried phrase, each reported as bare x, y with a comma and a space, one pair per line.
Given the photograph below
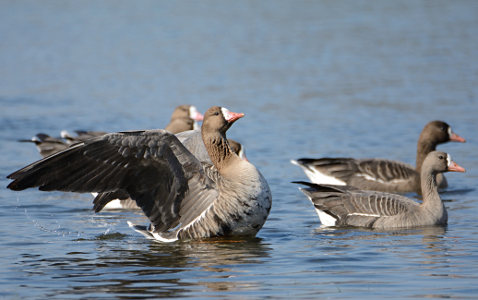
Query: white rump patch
317, 177
325, 218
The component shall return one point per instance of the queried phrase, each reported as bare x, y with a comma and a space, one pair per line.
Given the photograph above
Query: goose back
349, 206
381, 174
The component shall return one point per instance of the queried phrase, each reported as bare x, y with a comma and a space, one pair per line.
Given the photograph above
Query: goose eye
216, 113
441, 157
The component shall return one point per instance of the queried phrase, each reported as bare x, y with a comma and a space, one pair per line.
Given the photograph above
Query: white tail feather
325, 218
317, 177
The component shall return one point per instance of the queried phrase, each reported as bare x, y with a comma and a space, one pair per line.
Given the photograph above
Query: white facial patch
194, 114
226, 113
192, 111
448, 159
450, 133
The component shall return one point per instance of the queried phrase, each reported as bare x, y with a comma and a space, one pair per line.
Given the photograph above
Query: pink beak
197, 116
454, 167
232, 116
456, 138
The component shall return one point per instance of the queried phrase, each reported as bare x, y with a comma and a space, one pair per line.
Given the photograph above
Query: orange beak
454, 167
232, 116
456, 138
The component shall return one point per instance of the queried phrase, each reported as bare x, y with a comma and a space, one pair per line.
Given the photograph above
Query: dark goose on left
183, 197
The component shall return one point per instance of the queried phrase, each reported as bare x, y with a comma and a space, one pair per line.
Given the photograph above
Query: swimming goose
46, 144
381, 174
182, 197
349, 206
184, 117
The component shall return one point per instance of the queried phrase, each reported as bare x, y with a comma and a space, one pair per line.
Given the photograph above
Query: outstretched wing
102, 199
192, 140
153, 167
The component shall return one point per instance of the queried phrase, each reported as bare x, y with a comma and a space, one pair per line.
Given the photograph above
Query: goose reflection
153, 270
429, 244
173, 269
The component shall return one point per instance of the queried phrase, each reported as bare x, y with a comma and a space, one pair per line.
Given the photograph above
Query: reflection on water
427, 241
155, 270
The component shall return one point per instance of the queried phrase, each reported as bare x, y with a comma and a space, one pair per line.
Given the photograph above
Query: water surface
314, 78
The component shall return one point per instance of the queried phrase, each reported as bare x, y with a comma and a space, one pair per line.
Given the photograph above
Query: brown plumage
349, 206
184, 117
380, 174
182, 197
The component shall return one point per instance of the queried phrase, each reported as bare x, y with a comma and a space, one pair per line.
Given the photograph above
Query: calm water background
314, 78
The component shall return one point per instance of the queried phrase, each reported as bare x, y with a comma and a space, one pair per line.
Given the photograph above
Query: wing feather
152, 167
355, 207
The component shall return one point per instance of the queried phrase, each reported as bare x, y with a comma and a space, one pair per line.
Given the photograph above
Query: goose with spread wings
183, 123
183, 197
381, 174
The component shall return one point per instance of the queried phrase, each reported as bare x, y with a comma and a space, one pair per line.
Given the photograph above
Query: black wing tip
15, 186
98, 205
27, 141
309, 184
97, 208
324, 187
302, 161
102, 199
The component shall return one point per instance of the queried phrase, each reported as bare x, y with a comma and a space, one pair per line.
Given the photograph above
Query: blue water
314, 78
